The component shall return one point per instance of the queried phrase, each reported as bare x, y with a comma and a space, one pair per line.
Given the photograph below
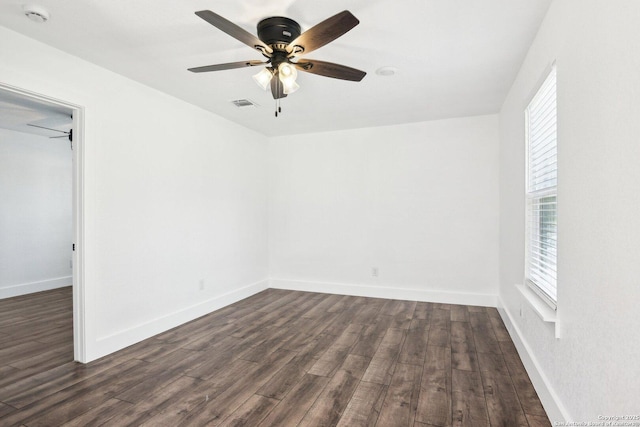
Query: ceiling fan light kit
280, 40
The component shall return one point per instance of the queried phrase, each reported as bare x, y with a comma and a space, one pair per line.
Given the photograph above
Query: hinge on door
73, 246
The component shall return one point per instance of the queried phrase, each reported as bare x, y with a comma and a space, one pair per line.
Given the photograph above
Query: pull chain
278, 108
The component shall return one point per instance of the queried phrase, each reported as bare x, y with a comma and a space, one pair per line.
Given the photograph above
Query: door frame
77, 255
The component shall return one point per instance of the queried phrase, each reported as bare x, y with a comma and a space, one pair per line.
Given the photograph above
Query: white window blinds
542, 180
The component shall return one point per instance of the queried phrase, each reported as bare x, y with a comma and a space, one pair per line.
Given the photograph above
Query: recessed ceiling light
36, 13
387, 71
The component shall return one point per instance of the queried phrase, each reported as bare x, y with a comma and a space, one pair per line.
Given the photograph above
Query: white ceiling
455, 57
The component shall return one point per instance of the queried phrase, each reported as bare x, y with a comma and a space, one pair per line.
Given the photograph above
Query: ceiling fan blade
233, 30
324, 32
329, 69
42, 127
277, 89
227, 66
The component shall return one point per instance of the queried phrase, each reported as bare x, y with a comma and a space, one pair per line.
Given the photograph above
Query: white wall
173, 195
35, 213
593, 369
418, 201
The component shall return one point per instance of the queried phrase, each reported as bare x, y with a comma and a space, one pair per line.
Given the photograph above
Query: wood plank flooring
278, 358
36, 334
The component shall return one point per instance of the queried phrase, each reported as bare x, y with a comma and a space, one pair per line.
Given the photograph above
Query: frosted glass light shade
263, 78
290, 86
288, 74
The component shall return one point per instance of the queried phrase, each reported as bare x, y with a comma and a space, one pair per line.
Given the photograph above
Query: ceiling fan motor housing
278, 31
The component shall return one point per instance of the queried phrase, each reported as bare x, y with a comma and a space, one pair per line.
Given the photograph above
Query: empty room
298, 213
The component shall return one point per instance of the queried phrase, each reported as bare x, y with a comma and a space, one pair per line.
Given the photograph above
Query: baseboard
550, 401
485, 300
29, 288
114, 342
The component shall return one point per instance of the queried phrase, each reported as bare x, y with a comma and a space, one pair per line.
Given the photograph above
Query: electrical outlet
374, 271
202, 284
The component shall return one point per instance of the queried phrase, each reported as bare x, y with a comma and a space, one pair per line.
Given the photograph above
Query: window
542, 181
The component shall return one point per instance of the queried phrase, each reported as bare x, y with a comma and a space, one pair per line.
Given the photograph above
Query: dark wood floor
36, 334
279, 358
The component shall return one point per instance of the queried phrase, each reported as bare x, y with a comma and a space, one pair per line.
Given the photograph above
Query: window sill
546, 313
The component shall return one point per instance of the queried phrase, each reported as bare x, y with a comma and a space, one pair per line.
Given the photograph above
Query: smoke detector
36, 13
387, 71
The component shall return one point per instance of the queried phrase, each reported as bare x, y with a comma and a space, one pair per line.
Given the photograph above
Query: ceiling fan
68, 134
280, 40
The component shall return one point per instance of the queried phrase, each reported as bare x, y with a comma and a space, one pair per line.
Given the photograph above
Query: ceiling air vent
240, 103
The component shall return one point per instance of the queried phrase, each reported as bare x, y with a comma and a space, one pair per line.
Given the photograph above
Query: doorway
34, 124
